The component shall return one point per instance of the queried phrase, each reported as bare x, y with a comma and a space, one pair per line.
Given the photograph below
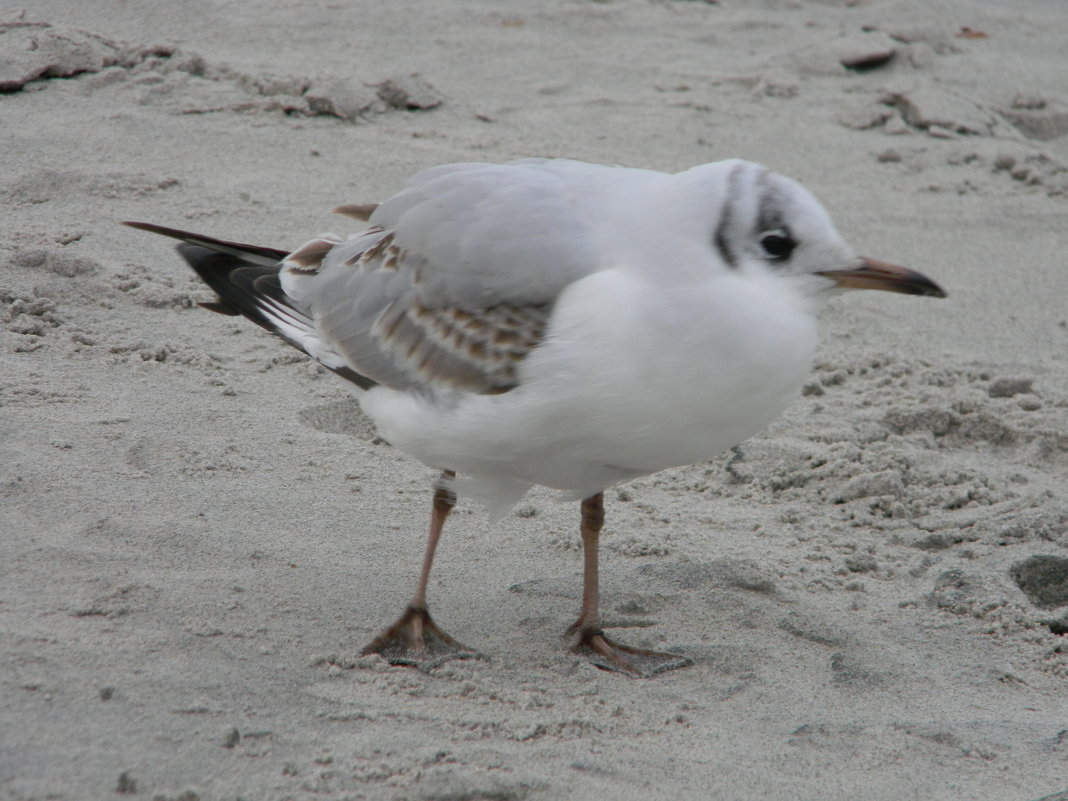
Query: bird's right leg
415, 639
588, 639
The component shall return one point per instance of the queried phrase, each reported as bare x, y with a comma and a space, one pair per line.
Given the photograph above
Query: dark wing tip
253, 254
241, 275
152, 228
220, 307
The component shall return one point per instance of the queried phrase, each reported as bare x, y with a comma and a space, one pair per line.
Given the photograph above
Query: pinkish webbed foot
415, 640
594, 647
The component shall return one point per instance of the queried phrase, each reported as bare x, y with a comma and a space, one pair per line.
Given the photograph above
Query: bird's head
766, 223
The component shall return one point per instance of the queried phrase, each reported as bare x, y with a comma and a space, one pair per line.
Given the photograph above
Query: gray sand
198, 531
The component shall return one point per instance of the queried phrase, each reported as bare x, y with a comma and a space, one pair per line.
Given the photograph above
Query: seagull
556, 323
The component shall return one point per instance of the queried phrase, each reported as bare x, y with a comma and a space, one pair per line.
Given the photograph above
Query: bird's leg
415, 639
588, 638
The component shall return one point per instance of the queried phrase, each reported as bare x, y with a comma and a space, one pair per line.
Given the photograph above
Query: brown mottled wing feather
454, 283
366, 305
450, 346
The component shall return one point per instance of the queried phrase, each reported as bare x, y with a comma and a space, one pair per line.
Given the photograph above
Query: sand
199, 531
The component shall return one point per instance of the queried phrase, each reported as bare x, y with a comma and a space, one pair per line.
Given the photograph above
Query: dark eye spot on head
778, 245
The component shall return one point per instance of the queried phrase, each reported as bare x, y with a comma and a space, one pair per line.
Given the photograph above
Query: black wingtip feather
231, 278
242, 276
219, 307
253, 254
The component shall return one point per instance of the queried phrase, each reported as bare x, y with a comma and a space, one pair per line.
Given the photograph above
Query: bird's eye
778, 245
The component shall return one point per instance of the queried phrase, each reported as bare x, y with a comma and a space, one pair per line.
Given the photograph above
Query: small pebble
1029, 403
1004, 162
940, 132
1008, 387
865, 51
861, 563
127, 784
1029, 102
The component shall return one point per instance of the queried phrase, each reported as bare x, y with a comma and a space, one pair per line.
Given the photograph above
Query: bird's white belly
636, 382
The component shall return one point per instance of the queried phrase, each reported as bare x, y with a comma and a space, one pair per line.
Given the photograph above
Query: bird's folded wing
453, 284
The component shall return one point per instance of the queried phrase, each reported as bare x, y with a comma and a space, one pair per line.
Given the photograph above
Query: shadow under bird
556, 323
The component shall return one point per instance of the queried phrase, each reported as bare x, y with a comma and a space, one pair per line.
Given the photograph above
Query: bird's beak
872, 274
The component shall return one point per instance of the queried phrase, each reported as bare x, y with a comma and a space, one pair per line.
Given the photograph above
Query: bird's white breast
635, 376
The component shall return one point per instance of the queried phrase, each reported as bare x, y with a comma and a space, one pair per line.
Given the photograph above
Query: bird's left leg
588, 640
415, 639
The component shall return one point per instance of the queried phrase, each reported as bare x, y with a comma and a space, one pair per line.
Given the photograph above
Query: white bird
557, 323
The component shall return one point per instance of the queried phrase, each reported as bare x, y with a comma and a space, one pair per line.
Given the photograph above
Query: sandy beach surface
199, 531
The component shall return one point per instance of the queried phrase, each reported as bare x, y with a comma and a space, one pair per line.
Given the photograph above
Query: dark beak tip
875, 274
932, 291
929, 289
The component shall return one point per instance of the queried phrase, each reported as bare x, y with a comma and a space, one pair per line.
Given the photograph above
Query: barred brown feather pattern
448, 345
369, 304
